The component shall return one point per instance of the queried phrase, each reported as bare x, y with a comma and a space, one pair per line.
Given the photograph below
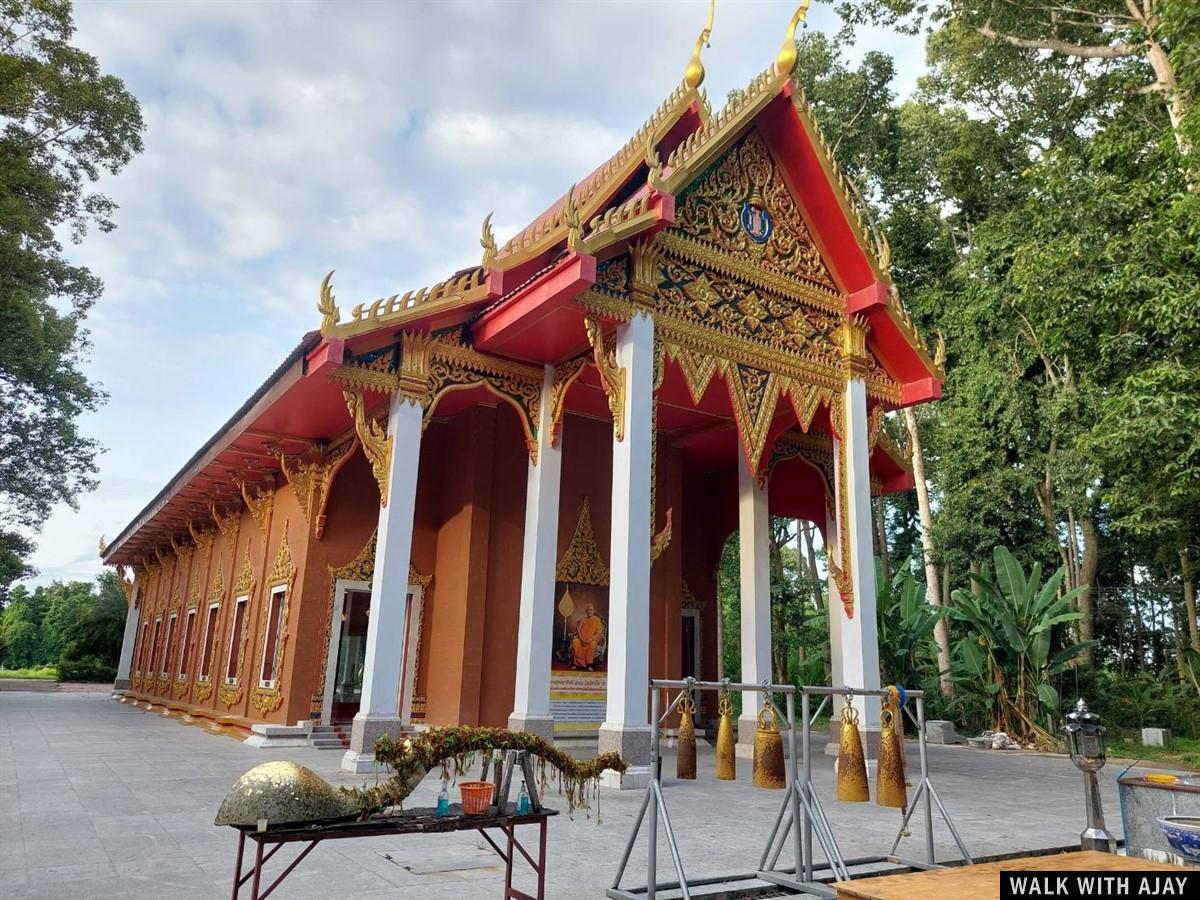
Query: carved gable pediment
741, 207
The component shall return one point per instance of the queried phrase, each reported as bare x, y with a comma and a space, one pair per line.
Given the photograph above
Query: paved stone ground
52, 687
101, 800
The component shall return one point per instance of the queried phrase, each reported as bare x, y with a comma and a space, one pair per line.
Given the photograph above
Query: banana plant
906, 624
1010, 622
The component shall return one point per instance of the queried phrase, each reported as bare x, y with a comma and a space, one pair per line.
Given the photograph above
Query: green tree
98, 629
62, 123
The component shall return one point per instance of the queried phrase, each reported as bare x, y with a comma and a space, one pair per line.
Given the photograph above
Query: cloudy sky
287, 139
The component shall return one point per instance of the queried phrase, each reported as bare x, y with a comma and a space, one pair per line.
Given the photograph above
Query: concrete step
329, 737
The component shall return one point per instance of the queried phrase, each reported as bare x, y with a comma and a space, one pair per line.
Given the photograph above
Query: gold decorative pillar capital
852, 346
645, 255
412, 373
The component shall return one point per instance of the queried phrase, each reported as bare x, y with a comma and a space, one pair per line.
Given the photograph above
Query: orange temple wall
469, 524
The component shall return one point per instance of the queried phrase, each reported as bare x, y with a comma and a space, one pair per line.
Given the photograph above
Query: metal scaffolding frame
801, 803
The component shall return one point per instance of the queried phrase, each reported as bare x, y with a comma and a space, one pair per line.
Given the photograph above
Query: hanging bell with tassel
768, 750
685, 753
890, 789
726, 742
851, 763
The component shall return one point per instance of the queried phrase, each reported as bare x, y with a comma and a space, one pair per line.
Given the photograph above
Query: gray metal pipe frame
652, 848
856, 692
724, 685
925, 779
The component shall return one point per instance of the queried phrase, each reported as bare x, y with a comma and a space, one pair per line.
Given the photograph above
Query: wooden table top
422, 820
981, 882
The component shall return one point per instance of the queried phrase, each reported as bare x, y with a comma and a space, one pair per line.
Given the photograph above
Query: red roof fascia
804, 169
533, 302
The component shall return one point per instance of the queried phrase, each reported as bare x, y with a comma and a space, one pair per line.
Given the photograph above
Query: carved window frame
212, 616
241, 603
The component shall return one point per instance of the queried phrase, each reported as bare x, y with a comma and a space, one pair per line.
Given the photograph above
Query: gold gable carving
582, 563
710, 212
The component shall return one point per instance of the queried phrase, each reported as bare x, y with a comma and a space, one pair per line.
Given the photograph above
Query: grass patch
1181, 752
39, 673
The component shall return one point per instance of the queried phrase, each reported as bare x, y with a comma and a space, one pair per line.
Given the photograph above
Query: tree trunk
881, 544
1138, 647
779, 654
810, 552
1087, 576
933, 596
1189, 597
1167, 83
1177, 632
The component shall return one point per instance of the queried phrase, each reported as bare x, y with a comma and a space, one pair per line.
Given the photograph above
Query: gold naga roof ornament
327, 305
786, 58
693, 75
487, 241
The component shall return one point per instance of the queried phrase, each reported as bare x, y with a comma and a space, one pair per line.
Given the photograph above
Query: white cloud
287, 139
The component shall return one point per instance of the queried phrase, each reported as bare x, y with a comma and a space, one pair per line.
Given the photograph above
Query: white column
535, 624
379, 712
754, 544
132, 619
859, 634
626, 728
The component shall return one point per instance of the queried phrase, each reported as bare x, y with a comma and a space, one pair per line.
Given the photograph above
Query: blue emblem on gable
756, 222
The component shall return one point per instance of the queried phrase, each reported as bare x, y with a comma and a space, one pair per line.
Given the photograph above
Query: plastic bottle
443, 801
523, 801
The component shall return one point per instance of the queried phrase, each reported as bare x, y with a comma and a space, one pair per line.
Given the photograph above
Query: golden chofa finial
487, 241
787, 53
693, 75
327, 305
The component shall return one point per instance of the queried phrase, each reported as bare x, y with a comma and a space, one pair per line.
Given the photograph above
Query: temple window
141, 656
270, 661
189, 624
210, 627
154, 646
168, 644
235, 639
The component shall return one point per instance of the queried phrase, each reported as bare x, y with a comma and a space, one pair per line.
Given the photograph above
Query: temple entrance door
412, 644
347, 650
689, 646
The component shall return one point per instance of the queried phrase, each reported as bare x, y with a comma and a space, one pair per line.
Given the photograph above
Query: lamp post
1085, 741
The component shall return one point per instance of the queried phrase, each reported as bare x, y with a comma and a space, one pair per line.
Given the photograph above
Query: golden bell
768, 750
726, 742
851, 764
685, 755
890, 789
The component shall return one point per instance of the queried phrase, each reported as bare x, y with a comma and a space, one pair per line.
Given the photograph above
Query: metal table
413, 821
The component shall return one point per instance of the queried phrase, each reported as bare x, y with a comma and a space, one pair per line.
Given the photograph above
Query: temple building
502, 499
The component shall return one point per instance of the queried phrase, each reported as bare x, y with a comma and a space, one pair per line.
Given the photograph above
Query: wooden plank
981, 882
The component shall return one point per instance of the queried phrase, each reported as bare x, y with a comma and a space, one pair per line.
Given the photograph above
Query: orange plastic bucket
476, 796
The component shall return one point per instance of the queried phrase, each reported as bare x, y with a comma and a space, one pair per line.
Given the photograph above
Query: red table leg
258, 862
237, 869
541, 866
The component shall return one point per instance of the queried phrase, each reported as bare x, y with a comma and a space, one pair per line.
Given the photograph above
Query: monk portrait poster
579, 663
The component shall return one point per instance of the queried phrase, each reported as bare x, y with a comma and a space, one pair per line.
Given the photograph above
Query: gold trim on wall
582, 562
